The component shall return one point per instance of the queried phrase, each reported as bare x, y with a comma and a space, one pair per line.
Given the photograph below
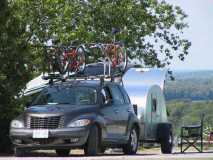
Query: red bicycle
117, 55
114, 55
71, 60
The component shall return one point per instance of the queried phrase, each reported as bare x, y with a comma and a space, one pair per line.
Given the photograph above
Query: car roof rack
93, 71
55, 77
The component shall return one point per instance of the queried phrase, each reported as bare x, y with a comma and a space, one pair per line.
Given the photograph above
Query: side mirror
108, 102
135, 107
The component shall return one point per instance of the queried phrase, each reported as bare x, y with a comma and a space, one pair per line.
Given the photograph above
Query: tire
92, 145
165, 138
123, 59
63, 152
19, 152
81, 56
132, 146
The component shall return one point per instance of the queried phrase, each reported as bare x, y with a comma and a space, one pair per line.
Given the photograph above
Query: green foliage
189, 113
15, 59
150, 28
15, 67
190, 96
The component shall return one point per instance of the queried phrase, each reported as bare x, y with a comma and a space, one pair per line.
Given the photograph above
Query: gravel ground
115, 155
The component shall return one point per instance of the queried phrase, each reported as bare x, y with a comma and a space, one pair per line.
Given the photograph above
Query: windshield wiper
58, 103
64, 103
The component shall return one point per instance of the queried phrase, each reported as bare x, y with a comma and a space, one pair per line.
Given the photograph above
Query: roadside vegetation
190, 86
189, 97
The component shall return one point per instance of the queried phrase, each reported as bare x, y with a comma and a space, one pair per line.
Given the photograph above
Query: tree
152, 30
14, 68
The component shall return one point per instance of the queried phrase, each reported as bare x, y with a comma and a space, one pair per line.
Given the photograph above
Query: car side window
117, 95
126, 97
105, 95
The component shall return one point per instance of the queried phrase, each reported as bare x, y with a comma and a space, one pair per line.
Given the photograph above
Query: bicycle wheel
119, 59
80, 60
60, 62
122, 58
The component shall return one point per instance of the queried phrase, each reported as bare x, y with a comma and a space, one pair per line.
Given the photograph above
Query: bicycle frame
115, 47
106, 58
71, 53
107, 51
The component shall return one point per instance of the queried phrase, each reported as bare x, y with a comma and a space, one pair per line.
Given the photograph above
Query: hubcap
170, 139
134, 140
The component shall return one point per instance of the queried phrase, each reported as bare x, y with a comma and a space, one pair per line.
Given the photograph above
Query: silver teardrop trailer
145, 89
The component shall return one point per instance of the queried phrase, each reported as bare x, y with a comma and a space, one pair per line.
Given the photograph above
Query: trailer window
154, 105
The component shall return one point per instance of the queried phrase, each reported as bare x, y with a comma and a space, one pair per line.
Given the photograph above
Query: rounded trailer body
145, 89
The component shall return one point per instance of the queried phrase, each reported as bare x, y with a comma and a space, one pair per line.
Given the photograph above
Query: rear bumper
58, 138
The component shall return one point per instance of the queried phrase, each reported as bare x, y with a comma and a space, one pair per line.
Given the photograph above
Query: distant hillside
193, 85
203, 74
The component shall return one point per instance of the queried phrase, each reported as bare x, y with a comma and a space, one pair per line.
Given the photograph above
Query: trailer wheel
132, 146
165, 137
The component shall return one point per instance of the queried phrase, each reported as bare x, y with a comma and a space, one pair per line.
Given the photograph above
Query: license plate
42, 133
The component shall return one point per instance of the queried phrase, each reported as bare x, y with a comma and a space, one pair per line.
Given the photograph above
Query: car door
121, 110
109, 114
127, 110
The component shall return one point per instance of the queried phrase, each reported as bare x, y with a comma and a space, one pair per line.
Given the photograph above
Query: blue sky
200, 33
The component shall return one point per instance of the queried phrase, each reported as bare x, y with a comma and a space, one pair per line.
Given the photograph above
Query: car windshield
67, 95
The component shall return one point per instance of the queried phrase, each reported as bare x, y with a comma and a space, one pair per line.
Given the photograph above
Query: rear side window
117, 95
126, 97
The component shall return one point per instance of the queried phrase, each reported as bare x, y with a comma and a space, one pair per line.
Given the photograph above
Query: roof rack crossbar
57, 77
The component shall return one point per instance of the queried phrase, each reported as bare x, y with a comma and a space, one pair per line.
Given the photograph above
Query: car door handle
129, 110
116, 110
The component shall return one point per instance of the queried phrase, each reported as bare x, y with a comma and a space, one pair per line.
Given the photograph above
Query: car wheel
19, 152
63, 152
92, 145
132, 146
